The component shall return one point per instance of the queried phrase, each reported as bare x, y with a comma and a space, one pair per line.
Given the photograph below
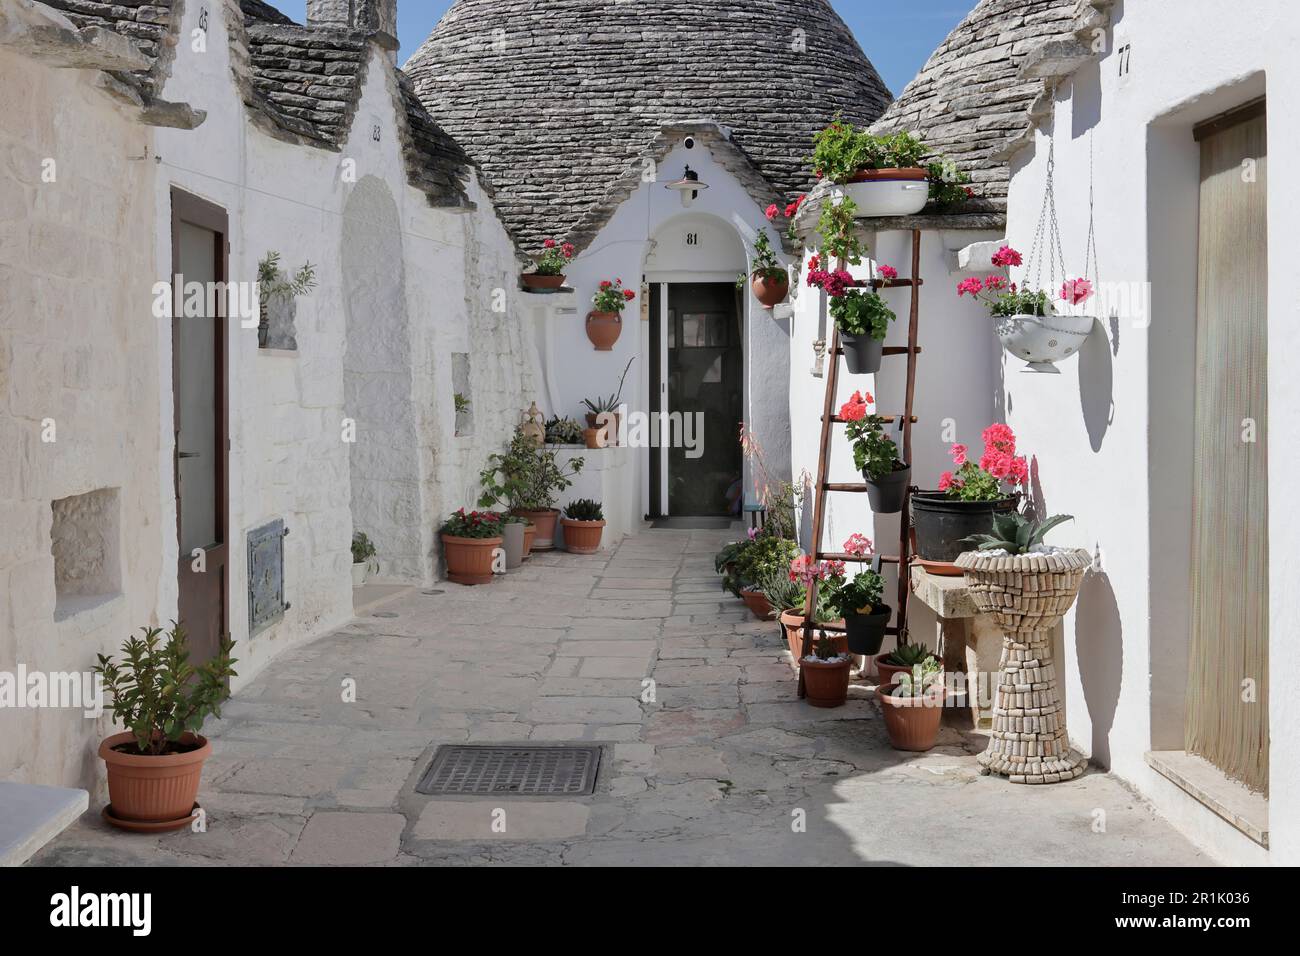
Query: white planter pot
1043, 340
889, 193
359, 574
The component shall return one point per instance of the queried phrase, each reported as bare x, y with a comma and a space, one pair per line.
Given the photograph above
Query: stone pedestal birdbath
1027, 594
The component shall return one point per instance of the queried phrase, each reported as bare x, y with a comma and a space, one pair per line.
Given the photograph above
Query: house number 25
692, 238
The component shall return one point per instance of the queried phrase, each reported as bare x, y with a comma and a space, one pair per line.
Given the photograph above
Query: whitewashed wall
79, 354
1111, 434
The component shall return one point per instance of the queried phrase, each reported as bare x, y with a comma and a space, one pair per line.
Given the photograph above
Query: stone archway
377, 383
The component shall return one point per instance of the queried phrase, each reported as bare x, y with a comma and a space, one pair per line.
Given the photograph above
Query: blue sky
898, 35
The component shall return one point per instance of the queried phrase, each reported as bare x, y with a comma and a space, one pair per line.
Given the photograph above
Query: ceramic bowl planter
912, 722
862, 353
152, 793
757, 602
768, 290
889, 192
941, 522
470, 560
1042, 341
544, 522
888, 495
535, 283
582, 537
1027, 595
826, 683
603, 329
866, 632
512, 541
792, 624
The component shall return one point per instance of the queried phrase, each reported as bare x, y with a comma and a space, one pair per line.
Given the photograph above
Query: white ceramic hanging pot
889, 192
1043, 340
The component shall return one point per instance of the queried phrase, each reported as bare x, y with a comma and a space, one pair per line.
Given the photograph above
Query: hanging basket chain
1047, 235
1091, 264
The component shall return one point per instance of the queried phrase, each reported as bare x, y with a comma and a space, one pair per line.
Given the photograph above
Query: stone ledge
32, 815
948, 597
39, 31
1211, 787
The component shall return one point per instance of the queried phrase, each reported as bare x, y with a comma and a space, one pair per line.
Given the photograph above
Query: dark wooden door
199, 255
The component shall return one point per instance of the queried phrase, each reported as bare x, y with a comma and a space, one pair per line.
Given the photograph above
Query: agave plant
920, 679
1015, 534
598, 405
909, 655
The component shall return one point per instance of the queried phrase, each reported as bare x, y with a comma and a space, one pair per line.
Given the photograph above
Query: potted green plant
876, 456
470, 541
525, 480
821, 577
514, 531
563, 431
155, 766
363, 558
603, 414
767, 278
548, 275
826, 672
902, 658
866, 616
885, 175
912, 704
970, 497
605, 320
756, 558
1029, 325
583, 524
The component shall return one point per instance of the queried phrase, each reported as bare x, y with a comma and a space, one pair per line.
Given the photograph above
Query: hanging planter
865, 616
549, 274
605, 321
860, 315
888, 495
1044, 340
876, 456
771, 289
863, 354
768, 279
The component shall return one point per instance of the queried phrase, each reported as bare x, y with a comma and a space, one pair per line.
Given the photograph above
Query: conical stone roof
556, 100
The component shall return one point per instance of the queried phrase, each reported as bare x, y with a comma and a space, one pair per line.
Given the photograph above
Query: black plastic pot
867, 631
941, 522
862, 353
889, 494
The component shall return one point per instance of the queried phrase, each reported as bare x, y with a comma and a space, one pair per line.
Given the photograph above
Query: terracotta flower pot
154, 791
469, 560
912, 722
604, 328
826, 683
582, 537
792, 624
593, 437
757, 603
544, 520
770, 291
530, 532
533, 281
889, 672
606, 432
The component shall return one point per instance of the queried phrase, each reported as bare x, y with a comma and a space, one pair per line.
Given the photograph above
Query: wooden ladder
829, 420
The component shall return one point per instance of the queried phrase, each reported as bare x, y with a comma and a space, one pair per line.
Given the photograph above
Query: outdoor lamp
689, 186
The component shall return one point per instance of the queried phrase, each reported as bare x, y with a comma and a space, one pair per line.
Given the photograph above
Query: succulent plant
909, 655
584, 509
1014, 533
920, 679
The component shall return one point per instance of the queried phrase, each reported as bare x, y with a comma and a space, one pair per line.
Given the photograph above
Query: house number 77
1125, 54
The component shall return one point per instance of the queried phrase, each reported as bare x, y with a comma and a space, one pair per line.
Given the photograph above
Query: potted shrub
1029, 326
754, 561
161, 699
902, 658
768, 279
912, 705
469, 546
526, 480
605, 320
876, 456
756, 596
548, 275
969, 498
363, 558
826, 672
865, 616
584, 523
513, 534
1027, 586
821, 577
884, 175
603, 414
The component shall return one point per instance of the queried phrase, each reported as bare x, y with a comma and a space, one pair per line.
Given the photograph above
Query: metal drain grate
522, 771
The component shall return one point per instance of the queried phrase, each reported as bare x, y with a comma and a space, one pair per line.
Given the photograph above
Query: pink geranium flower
859, 545
958, 453
1076, 291
971, 286
945, 481
1006, 256
773, 211
887, 272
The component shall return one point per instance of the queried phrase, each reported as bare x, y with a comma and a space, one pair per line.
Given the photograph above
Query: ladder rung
836, 486
834, 556
885, 283
888, 419
889, 350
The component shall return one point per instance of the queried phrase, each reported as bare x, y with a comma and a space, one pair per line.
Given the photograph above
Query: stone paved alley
713, 772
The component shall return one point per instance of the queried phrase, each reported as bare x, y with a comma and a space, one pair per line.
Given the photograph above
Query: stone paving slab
709, 755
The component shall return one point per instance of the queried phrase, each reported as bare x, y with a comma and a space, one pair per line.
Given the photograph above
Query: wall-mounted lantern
689, 186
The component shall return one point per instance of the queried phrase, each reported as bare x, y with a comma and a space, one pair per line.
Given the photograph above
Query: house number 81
692, 238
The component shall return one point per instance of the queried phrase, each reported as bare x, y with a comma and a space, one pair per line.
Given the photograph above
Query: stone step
32, 815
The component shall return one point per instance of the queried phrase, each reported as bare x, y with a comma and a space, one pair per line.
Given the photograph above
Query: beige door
1227, 703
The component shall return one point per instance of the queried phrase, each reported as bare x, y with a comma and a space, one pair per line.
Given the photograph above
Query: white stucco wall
79, 352
1111, 434
647, 236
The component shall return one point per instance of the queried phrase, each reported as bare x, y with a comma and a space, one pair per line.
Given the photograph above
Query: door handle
187, 454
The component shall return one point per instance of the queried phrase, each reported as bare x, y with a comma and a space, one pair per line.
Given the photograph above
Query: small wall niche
461, 394
87, 546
